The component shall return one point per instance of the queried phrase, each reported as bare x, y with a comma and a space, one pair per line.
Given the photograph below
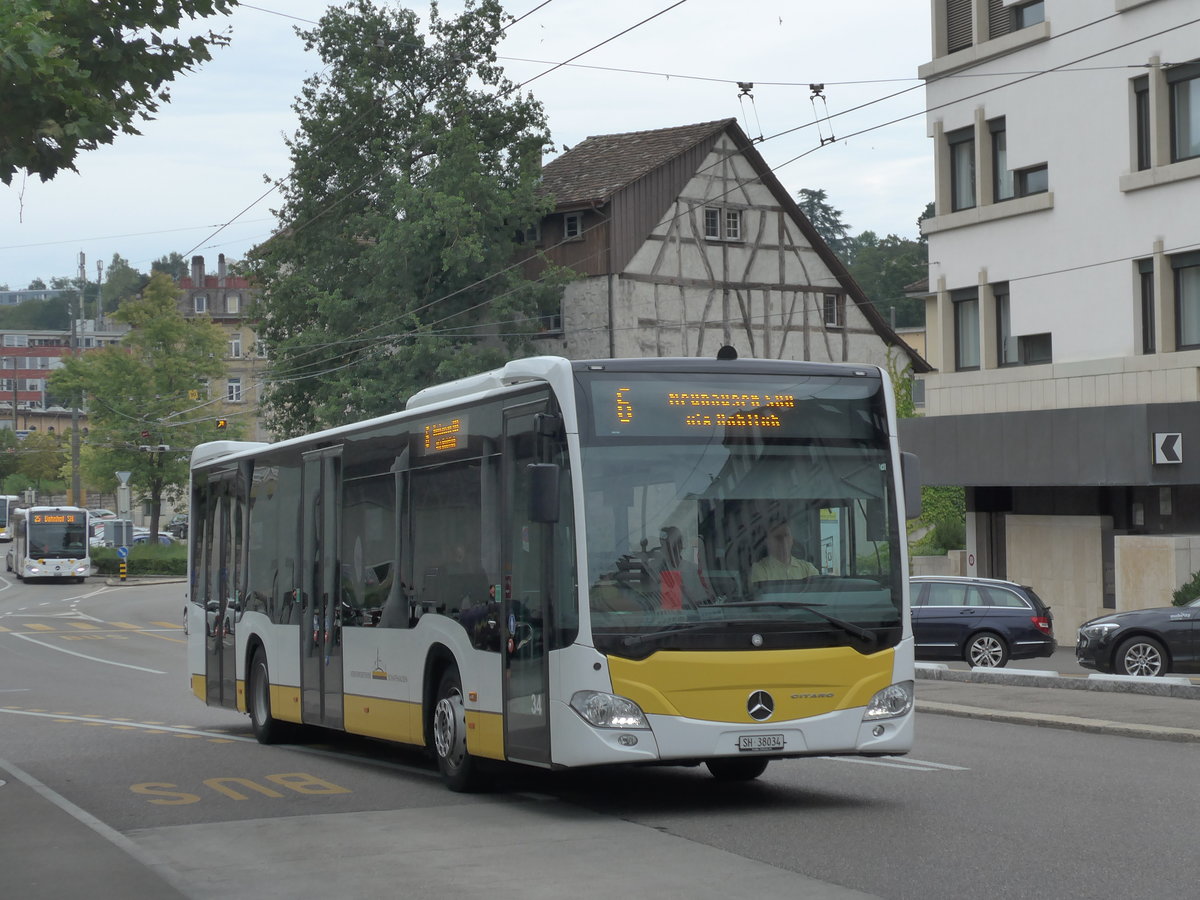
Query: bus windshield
58, 535
757, 515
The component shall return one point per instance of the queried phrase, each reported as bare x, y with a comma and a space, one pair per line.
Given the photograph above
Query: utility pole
75, 317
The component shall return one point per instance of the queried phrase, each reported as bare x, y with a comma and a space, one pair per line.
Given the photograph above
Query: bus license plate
760, 742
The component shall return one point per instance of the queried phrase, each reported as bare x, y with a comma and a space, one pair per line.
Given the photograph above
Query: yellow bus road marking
84, 626
127, 625
2, 628
35, 626
170, 626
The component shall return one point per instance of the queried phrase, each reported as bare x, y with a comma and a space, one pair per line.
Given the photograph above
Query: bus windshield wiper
633, 640
864, 635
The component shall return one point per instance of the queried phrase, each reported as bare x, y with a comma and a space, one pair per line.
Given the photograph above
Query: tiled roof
594, 169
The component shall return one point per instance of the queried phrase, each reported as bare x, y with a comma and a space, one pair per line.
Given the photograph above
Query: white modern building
1063, 320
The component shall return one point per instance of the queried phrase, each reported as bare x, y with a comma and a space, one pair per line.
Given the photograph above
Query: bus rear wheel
448, 727
737, 768
267, 729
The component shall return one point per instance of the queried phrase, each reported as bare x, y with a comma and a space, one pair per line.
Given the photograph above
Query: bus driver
779, 564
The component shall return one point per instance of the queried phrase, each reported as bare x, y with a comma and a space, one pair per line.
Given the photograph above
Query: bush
1188, 591
144, 559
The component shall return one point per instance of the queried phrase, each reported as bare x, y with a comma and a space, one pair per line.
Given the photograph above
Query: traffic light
222, 424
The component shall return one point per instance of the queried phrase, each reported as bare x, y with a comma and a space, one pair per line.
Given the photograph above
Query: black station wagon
984, 621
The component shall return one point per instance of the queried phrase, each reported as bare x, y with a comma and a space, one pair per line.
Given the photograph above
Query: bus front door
320, 621
526, 597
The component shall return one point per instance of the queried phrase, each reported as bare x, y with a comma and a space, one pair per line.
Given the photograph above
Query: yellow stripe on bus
285, 703
391, 720
485, 734
714, 687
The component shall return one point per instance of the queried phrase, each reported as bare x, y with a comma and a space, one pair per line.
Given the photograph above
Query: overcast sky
202, 162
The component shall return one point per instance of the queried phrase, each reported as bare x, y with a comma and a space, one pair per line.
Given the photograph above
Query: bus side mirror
910, 471
543, 493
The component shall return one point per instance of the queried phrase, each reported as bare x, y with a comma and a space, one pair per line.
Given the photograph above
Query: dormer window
201, 304
233, 303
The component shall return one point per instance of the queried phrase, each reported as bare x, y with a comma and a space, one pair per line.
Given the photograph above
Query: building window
962, 168
1146, 290
1184, 83
966, 331
233, 303
1035, 349
1006, 341
572, 226
530, 235
233, 390
834, 306
1034, 180
958, 25
201, 303
235, 346
1186, 267
1002, 177
722, 224
1141, 121
205, 389
1027, 14
260, 348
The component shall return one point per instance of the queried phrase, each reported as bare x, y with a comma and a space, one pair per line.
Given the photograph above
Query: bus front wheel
459, 769
737, 769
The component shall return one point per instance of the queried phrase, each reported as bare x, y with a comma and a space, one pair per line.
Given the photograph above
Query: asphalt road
145, 791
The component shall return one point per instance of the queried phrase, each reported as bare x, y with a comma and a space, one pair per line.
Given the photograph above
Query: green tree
414, 165
76, 73
42, 457
884, 267
138, 396
172, 264
121, 282
38, 315
827, 220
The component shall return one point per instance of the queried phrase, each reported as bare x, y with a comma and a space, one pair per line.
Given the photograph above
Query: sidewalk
1157, 708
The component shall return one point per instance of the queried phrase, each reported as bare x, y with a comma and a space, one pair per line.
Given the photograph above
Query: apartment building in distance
225, 298
1063, 315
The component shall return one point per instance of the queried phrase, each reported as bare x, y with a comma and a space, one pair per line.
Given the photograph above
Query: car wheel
727, 769
986, 650
1141, 656
459, 769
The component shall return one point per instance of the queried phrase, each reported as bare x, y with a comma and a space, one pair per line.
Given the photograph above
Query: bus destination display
56, 518
443, 436
642, 405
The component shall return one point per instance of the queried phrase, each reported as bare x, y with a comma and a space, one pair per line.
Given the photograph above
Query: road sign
122, 552
1168, 447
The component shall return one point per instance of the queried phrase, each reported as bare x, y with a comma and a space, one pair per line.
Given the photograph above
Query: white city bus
49, 542
550, 564
8, 503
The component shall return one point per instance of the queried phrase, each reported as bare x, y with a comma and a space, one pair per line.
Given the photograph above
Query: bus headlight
893, 701
608, 710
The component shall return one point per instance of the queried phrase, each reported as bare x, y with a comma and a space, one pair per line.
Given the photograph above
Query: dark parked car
984, 621
1142, 641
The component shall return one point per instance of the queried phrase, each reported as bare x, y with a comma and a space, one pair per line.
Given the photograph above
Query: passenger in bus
778, 564
679, 579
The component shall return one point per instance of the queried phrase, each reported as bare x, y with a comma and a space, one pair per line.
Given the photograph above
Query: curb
1071, 723
138, 581
1179, 687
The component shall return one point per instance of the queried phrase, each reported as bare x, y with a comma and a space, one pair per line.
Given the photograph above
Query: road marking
169, 626
912, 765
108, 833
107, 662
37, 626
84, 626
124, 724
